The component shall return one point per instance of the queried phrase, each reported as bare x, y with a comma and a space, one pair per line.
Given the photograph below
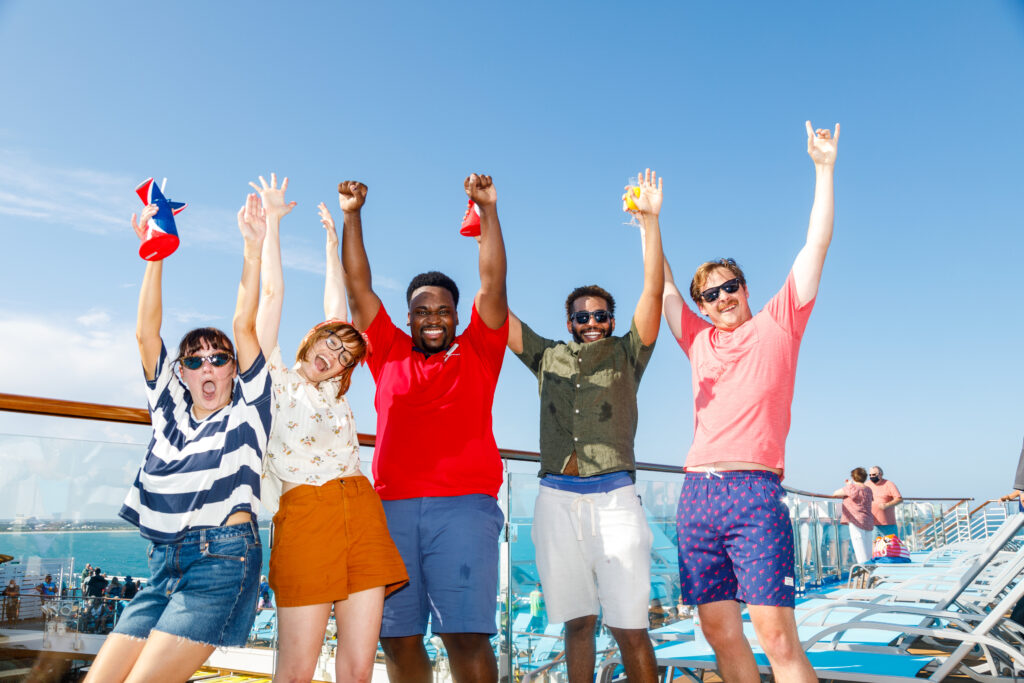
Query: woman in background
857, 498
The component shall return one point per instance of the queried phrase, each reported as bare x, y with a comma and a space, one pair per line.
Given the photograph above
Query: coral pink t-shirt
884, 492
743, 382
857, 506
434, 435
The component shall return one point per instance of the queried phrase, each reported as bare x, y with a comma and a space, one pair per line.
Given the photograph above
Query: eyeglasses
334, 343
217, 360
583, 317
731, 287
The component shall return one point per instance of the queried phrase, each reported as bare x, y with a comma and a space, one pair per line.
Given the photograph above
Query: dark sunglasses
217, 360
731, 287
583, 317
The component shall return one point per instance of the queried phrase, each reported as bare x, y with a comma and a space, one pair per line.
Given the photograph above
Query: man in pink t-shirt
886, 498
735, 538
436, 465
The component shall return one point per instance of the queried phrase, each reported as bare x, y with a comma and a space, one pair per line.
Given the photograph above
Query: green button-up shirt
587, 400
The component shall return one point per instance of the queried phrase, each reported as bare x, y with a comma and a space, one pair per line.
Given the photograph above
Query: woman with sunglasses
195, 497
331, 547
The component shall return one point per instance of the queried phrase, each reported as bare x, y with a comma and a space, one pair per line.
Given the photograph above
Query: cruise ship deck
943, 615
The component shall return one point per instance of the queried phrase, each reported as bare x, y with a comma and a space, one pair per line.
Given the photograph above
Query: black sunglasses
731, 287
217, 360
583, 317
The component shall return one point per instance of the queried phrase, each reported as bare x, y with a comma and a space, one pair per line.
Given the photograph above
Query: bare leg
358, 620
115, 658
723, 627
300, 638
407, 660
637, 654
471, 657
579, 648
776, 631
168, 659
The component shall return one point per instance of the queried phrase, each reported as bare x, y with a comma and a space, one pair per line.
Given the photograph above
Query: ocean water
115, 552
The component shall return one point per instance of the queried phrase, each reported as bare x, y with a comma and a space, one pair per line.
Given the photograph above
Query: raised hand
480, 188
273, 197
649, 201
822, 145
327, 221
139, 226
351, 195
252, 221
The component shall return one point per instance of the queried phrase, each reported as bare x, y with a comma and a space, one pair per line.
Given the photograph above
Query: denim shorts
202, 588
735, 539
450, 549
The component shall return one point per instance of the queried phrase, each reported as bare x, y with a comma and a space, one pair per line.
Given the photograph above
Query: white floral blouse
313, 440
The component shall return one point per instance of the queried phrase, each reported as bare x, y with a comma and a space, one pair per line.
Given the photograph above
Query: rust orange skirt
330, 541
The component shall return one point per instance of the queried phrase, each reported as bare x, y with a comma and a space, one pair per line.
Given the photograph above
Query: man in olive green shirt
590, 533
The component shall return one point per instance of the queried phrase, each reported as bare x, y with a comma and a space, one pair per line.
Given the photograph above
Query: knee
723, 634
780, 644
581, 626
403, 649
295, 676
631, 638
358, 671
466, 645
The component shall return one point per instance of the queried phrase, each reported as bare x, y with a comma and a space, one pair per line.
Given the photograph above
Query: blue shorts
202, 588
450, 549
735, 539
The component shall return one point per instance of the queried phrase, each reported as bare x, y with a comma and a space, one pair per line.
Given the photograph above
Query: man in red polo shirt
436, 465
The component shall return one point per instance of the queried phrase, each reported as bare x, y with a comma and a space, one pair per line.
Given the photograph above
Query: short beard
579, 339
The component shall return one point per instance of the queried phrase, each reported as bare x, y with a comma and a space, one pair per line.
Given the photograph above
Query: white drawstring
577, 504
712, 471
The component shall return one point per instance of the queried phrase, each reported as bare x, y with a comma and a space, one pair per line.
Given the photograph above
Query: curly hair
704, 271
432, 278
589, 290
354, 343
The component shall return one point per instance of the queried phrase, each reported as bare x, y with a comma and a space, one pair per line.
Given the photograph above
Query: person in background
12, 601
536, 609
886, 498
130, 588
857, 499
47, 589
266, 602
86, 575
97, 584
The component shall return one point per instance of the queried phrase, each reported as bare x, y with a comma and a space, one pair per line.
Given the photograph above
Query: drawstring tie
577, 505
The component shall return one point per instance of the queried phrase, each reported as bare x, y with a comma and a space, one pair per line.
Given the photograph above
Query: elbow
243, 323
270, 291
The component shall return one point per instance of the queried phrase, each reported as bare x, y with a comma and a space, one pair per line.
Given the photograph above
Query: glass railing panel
58, 511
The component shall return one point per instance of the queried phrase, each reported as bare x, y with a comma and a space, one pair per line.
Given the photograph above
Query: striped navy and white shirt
197, 473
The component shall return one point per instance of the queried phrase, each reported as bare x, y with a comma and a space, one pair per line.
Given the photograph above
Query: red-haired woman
331, 545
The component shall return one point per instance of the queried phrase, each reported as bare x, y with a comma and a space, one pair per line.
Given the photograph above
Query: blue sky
911, 359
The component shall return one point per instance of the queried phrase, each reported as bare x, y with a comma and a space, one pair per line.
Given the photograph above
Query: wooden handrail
59, 408
33, 405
